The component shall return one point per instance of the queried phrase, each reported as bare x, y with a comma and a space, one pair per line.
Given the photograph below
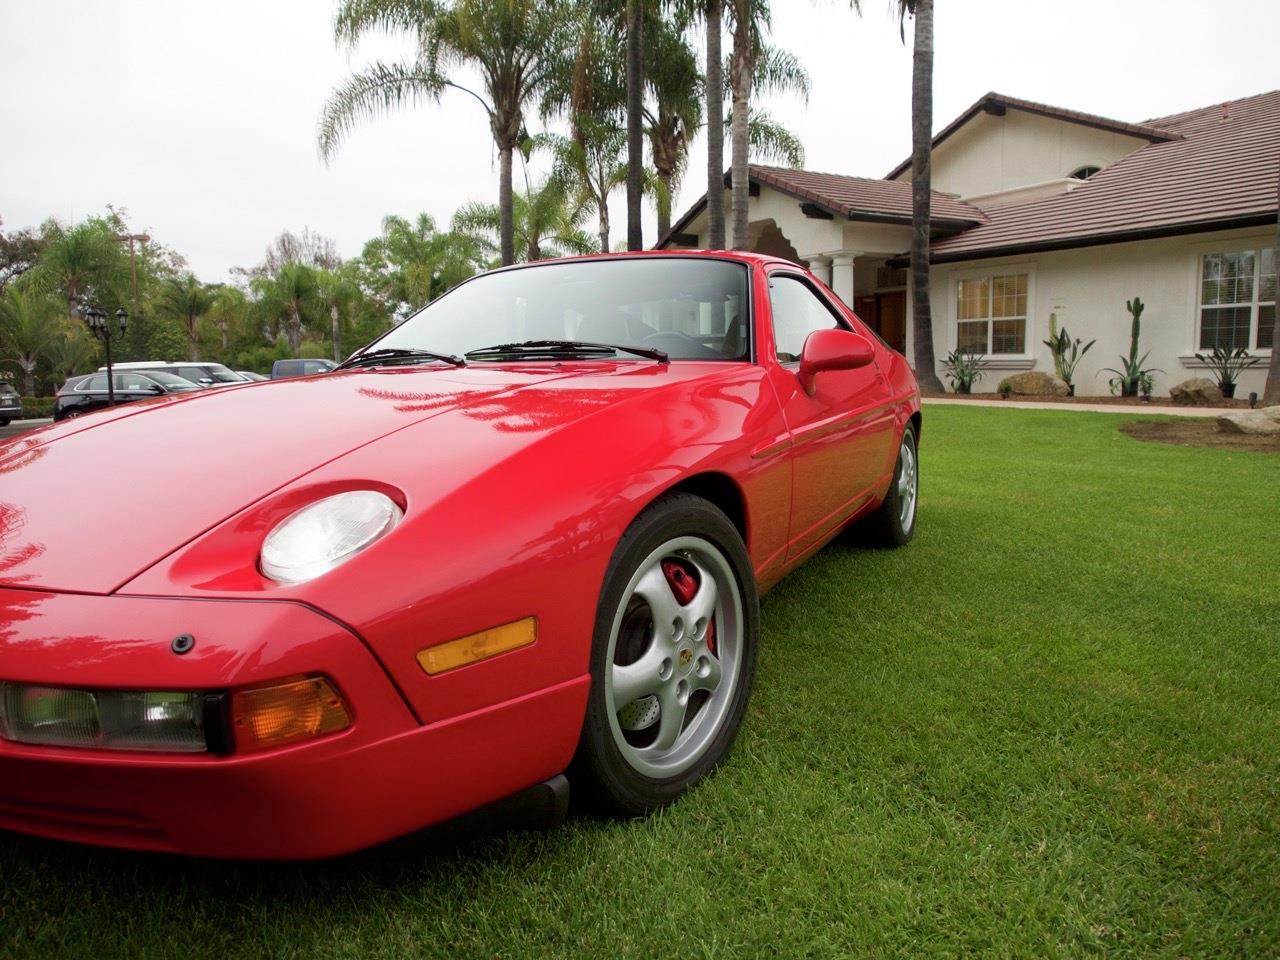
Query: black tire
4, 421
885, 527
602, 777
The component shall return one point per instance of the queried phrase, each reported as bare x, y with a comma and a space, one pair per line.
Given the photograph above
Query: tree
410, 264
228, 312
753, 64
82, 262
715, 126
19, 252
547, 222
515, 46
288, 297
635, 119
187, 300
1271, 389
672, 75
71, 353
28, 330
592, 159
921, 183
338, 293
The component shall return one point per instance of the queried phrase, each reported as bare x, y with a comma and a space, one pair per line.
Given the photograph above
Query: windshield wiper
555, 348
388, 355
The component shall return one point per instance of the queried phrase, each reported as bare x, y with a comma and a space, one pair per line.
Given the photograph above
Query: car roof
740, 256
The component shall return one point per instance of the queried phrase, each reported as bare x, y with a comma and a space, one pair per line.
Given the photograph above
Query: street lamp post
100, 326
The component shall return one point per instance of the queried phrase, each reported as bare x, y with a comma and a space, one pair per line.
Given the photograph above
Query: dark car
10, 404
251, 375
197, 371
84, 394
283, 369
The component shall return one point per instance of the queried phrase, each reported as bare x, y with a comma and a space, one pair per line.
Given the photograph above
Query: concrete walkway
1145, 408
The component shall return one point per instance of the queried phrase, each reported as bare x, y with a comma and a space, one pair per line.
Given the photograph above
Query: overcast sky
199, 118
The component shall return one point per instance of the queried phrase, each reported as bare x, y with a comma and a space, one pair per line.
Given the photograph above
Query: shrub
963, 369
33, 407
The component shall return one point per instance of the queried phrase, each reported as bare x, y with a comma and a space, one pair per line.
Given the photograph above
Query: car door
842, 436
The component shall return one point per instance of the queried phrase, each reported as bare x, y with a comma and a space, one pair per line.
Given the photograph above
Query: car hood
87, 504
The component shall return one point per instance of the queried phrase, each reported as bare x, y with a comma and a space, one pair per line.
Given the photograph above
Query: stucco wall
992, 153
1088, 288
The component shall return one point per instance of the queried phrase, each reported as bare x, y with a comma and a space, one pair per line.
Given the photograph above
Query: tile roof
998, 103
1220, 171
863, 198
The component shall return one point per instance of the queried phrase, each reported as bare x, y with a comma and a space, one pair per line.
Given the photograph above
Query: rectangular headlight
171, 721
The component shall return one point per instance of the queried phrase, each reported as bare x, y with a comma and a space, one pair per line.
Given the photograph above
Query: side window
96, 382
797, 312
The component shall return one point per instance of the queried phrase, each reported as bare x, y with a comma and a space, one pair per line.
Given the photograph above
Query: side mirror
155, 388
832, 350
206, 381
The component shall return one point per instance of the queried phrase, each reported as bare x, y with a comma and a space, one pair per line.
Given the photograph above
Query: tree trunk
294, 333
715, 127
635, 132
1271, 389
28, 376
333, 322
921, 179
506, 206
667, 178
604, 228
193, 339
740, 78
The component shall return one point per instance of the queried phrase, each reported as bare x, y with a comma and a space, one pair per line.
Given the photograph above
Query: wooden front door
891, 317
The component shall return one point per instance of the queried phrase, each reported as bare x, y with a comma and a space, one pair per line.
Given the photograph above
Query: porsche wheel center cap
685, 657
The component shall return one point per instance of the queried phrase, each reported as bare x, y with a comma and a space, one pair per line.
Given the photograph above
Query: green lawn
1049, 727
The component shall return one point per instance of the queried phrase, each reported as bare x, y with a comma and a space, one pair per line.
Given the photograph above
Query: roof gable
998, 104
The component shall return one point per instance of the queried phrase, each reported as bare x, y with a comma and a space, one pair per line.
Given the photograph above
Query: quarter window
991, 314
797, 312
1238, 299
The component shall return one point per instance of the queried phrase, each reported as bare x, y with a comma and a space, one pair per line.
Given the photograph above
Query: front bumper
384, 776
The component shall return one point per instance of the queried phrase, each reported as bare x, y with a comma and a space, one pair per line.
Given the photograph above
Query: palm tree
673, 79
635, 120
515, 46
227, 313
71, 353
337, 291
188, 300
411, 264
753, 64
547, 222
82, 262
714, 87
28, 330
288, 296
592, 158
921, 181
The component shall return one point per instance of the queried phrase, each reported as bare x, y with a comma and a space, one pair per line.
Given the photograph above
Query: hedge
33, 407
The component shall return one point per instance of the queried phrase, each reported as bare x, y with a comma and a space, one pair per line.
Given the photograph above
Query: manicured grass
1049, 727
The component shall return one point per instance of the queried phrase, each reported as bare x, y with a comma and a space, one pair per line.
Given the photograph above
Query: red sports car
522, 534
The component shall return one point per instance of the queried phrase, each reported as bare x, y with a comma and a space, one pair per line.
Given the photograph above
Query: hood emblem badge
183, 643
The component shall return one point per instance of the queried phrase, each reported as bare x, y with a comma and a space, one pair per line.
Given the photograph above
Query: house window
991, 314
1238, 299
1084, 173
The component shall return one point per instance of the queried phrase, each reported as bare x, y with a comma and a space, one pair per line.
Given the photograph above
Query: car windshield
222, 374
169, 380
689, 308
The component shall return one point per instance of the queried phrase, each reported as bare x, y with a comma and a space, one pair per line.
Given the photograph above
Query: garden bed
1197, 433
1136, 402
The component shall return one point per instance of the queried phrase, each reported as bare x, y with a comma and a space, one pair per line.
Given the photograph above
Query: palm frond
771, 142
780, 71
377, 90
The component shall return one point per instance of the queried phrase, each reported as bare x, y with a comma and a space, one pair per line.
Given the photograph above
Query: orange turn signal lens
479, 646
284, 713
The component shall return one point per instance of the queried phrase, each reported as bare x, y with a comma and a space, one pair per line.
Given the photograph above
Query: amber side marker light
284, 713
478, 646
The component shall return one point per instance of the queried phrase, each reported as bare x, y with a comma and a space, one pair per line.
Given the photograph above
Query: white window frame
995, 361
1244, 245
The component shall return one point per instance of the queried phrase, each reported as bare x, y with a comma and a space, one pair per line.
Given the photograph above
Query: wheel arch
914, 421
718, 489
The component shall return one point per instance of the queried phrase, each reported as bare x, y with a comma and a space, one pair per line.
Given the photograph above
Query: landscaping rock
1198, 391
1035, 384
1259, 423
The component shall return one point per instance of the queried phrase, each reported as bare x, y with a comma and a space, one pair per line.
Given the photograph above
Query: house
1043, 214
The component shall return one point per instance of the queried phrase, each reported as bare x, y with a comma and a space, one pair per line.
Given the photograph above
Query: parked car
10, 404
250, 375
283, 369
530, 539
198, 372
83, 394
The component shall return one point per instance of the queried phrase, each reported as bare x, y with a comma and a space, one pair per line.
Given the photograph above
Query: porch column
820, 267
842, 276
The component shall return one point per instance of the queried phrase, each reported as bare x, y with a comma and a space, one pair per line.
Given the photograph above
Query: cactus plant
1129, 377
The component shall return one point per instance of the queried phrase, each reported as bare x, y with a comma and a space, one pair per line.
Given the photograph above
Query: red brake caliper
682, 577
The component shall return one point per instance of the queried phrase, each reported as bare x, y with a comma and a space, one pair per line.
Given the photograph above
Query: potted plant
1066, 354
1128, 378
1226, 366
964, 369
1146, 383
1004, 389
